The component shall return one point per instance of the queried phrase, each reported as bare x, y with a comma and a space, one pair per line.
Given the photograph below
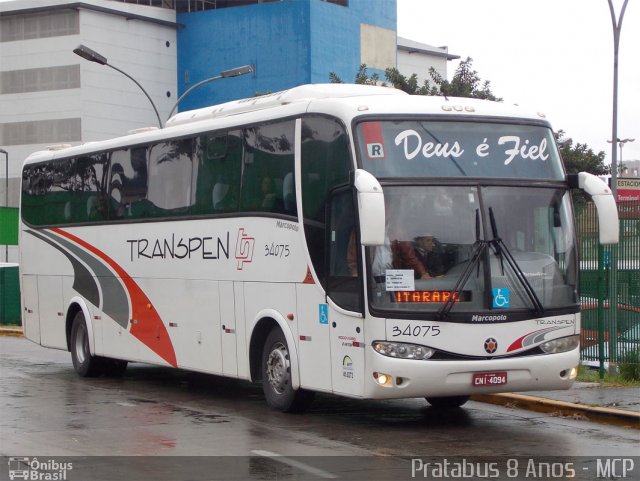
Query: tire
85, 363
276, 376
447, 402
113, 367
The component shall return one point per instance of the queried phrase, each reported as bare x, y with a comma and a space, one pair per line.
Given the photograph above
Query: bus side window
128, 183
326, 164
216, 173
268, 159
170, 165
343, 287
91, 179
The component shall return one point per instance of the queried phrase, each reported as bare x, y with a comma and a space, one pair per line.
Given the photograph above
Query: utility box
9, 294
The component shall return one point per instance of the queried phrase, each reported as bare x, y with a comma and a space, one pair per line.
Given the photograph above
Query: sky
555, 56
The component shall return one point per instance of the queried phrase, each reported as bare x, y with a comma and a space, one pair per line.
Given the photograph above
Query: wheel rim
278, 368
81, 339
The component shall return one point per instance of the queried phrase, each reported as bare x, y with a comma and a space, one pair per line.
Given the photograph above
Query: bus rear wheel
276, 376
85, 363
447, 402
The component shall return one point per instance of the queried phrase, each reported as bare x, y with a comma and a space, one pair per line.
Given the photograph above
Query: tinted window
217, 172
325, 164
48, 192
91, 180
169, 191
344, 286
267, 169
128, 185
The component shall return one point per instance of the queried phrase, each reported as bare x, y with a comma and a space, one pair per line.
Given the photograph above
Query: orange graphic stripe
149, 327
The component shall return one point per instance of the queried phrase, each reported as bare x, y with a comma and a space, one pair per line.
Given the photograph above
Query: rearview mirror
370, 208
608, 222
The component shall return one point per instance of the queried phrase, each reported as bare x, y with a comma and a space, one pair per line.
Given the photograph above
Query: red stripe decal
149, 329
517, 344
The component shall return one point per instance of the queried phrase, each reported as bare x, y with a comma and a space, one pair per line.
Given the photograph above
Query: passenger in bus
393, 254
429, 252
270, 201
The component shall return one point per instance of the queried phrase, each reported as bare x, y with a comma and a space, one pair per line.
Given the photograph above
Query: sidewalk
586, 401
617, 405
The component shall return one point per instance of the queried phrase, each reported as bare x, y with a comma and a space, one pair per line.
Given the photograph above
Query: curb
618, 417
11, 331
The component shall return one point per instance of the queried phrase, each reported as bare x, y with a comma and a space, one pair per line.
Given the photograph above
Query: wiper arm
479, 247
502, 252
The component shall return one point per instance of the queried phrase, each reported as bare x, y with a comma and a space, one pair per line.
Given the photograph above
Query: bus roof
345, 101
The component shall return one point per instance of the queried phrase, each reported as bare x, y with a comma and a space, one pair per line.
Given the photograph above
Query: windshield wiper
479, 246
502, 252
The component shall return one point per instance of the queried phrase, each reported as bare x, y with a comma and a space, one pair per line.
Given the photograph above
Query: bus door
344, 297
313, 334
228, 325
30, 315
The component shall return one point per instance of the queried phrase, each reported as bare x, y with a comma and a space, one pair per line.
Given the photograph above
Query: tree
579, 157
465, 83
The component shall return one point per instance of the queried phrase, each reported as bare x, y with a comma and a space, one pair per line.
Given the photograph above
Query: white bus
330, 238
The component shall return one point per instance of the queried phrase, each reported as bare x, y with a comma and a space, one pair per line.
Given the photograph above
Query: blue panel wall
292, 42
335, 35
272, 36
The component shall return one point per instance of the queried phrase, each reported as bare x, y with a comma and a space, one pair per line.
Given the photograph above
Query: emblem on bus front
491, 345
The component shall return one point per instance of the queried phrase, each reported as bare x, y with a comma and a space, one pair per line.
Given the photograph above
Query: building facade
49, 95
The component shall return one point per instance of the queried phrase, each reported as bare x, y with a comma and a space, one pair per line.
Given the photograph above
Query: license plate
489, 379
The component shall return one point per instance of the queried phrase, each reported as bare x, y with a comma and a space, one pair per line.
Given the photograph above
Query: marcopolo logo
33, 469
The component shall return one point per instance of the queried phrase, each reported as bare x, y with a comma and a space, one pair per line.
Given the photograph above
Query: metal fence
610, 329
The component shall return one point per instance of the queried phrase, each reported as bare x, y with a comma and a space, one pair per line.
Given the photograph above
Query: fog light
382, 379
574, 373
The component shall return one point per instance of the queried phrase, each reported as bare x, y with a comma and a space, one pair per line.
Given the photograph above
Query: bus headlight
563, 344
403, 350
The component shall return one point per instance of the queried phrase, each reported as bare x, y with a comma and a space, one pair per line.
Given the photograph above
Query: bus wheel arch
85, 363
277, 360
259, 335
77, 305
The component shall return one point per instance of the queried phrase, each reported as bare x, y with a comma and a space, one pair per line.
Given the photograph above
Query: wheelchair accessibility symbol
323, 313
501, 298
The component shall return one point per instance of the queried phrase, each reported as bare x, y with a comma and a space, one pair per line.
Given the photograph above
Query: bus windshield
426, 148
476, 248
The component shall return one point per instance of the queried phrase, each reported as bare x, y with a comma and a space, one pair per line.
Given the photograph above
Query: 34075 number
277, 250
416, 331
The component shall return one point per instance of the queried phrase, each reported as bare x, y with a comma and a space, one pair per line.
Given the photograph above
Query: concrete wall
290, 43
273, 37
106, 103
336, 37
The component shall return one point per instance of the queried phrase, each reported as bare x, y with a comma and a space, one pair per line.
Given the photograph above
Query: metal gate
610, 330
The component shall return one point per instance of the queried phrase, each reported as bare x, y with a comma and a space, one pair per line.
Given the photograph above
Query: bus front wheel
276, 376
85, 363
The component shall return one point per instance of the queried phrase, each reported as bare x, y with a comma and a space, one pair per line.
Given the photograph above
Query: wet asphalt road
154, 421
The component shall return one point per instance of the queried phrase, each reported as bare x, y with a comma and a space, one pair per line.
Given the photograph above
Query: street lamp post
613, 256
621, 143
93, 56
6, 194
234, 72
617, 26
